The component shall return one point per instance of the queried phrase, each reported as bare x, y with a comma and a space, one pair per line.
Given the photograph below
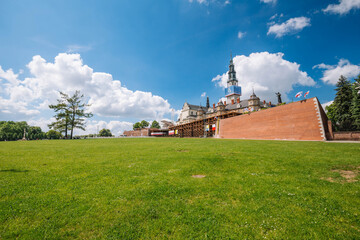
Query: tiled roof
242, 104
196, 107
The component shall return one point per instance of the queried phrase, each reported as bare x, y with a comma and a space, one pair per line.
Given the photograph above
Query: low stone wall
350, 136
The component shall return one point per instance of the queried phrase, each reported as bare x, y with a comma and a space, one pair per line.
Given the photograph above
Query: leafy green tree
76, 108
330, 112
105, 133
155, 124
355, 104
52, 134
10, 130
70, 113
35, 131
136, 125
342, 104
15, 136
144, 124
62, 115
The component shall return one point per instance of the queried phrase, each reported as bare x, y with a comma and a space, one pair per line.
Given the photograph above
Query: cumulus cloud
116, 127
92, 126
324, 105
9, 76
293, 25
241, 35
42, 123
10, 109
68, 73
343, 7
267, 73
332, 73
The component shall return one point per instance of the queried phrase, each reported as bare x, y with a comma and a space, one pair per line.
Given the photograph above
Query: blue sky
140, 59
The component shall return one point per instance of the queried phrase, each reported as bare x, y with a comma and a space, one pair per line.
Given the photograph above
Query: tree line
344, 112
145, 124
102, 133
12, 131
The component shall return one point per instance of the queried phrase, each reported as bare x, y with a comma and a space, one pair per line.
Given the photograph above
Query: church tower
232, 81
233, 91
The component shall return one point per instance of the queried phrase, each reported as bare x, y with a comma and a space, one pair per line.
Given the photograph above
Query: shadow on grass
13, 170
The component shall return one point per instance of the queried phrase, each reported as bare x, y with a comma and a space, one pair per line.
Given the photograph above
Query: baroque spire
232, 81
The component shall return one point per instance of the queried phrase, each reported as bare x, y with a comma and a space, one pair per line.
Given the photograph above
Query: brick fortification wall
303, 120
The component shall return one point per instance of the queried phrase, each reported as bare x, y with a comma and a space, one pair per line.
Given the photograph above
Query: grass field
143, 188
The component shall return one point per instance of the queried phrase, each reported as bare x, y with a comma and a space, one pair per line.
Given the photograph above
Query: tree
342, 104
52, 134
136, 125
155, 124
355, 104
144, 124
77, 112
10, 130
330, 112
62, 115
70, 113
105, 133
35, 132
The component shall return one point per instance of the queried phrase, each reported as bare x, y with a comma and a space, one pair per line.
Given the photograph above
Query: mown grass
143, 189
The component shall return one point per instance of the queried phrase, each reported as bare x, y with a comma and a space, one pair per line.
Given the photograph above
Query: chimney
214, 105
225, 103
238, 100
232, 101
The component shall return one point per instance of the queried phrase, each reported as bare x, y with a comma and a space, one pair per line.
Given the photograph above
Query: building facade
233, 104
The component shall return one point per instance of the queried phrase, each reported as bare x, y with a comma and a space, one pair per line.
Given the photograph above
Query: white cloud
203, 94
267, 73
276, 16
273, 16
343, 7
92, 126
324, 105
76, 48
241, 35
41, 122
332, 73
268, 1
10, 109
67, 74
9, 76
200, 1
293, 25
207, 2
116, 127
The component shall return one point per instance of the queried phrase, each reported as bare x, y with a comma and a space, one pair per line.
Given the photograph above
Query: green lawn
143, 188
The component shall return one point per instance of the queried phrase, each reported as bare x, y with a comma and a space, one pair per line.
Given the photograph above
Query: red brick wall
354, 136
137, 133
294, 121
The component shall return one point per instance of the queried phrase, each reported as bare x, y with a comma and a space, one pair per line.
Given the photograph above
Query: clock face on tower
233, 90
